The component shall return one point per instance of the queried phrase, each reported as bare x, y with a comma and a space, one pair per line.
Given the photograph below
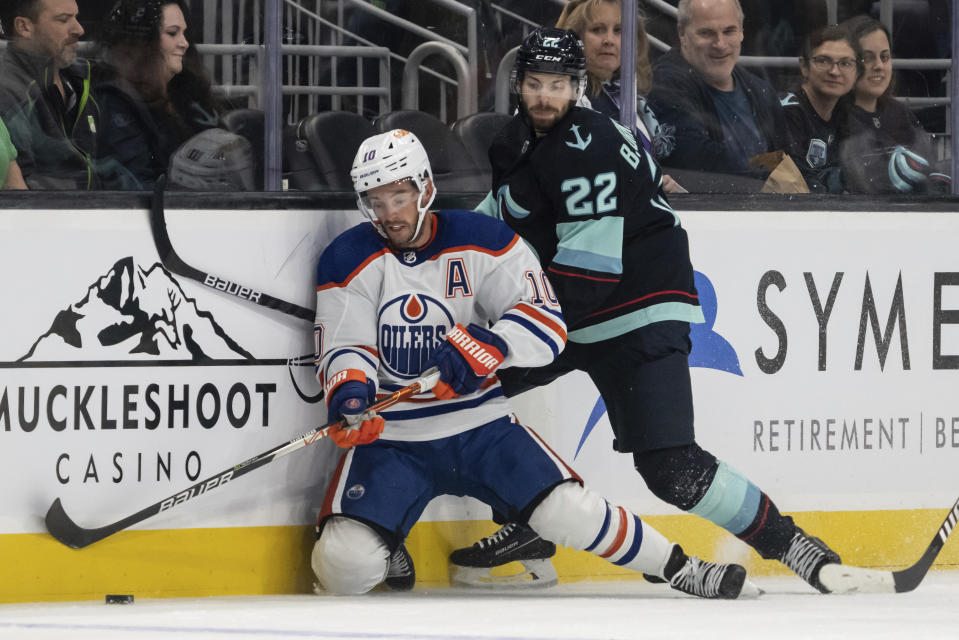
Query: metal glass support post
954, 104
271, 96
627, 68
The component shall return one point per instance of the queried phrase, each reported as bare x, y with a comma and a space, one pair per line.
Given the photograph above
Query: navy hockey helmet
551, 50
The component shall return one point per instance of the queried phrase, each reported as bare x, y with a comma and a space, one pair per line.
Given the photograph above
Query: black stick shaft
172, 261
64, 529
910, 577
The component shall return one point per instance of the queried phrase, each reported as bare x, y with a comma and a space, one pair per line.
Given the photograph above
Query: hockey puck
115, 598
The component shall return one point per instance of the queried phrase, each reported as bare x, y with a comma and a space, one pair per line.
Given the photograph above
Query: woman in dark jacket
153, 92
884, 148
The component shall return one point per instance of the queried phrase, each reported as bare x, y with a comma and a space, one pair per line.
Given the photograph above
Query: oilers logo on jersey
411, 326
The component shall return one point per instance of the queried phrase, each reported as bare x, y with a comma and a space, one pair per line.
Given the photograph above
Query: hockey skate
512, 543
401, 575
704, 579
806, 556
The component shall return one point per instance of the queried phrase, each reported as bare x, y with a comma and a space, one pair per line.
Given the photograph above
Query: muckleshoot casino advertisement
825, 372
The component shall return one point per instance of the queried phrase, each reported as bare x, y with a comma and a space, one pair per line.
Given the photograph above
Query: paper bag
784, 176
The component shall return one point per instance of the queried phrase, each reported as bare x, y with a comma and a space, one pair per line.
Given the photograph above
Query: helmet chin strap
421, 208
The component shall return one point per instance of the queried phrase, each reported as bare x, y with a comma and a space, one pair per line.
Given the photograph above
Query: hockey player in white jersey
455, 289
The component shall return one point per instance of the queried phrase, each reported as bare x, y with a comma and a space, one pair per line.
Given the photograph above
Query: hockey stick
64, 529
844, 579
174, 263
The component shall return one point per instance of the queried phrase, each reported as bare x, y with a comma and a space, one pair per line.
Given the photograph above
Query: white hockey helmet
386, 158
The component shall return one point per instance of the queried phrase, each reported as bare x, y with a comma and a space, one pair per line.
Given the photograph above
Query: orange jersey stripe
542, 318
473, 247
331, 285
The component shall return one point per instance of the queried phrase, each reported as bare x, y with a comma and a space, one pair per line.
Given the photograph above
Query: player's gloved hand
349, 402
465, 359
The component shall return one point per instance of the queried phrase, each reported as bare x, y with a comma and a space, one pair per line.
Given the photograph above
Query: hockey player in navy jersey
576, 186
458, 290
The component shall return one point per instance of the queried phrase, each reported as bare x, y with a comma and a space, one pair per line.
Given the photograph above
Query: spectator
722, 114
598, 23
830, 65
45, 94
10, 175
885, 149
152, 90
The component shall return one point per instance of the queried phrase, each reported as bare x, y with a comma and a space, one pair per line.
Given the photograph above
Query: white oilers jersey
380, 315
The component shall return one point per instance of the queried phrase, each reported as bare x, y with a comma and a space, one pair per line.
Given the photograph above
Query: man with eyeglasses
830, 65
723, 115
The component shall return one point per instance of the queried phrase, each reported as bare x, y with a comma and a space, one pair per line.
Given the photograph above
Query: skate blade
537, 574
840, 578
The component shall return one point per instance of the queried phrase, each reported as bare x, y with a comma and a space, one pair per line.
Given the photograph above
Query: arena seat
331, 139
476, 131
299, 168
452, 164
249, 124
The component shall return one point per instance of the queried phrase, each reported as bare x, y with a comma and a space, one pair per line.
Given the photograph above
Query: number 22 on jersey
580, 201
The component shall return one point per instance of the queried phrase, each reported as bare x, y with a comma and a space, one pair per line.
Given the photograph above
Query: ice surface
582, 611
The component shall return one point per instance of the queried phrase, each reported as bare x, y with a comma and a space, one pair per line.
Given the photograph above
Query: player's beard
544, 118
403, 238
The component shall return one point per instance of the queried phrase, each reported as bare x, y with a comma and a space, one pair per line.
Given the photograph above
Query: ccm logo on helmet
546, 58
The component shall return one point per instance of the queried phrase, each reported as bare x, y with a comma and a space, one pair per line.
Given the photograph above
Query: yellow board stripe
276, 560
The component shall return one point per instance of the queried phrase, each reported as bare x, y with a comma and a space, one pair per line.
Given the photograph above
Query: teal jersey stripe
591, 244
587, 260
488, 207
640, 318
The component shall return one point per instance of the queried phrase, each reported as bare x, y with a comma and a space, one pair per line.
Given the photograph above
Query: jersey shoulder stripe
468, 229
475, 248
347, 255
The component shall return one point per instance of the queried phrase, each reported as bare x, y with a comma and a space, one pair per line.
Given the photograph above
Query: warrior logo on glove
481, 360
466, 358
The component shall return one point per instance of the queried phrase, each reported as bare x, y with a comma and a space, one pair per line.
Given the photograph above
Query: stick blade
910, 577
65, 530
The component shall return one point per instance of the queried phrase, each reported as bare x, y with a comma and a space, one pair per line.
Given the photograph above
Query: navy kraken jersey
589, 201
814, 142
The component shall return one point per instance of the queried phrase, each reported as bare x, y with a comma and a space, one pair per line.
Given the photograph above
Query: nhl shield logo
816, 154
410, 327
